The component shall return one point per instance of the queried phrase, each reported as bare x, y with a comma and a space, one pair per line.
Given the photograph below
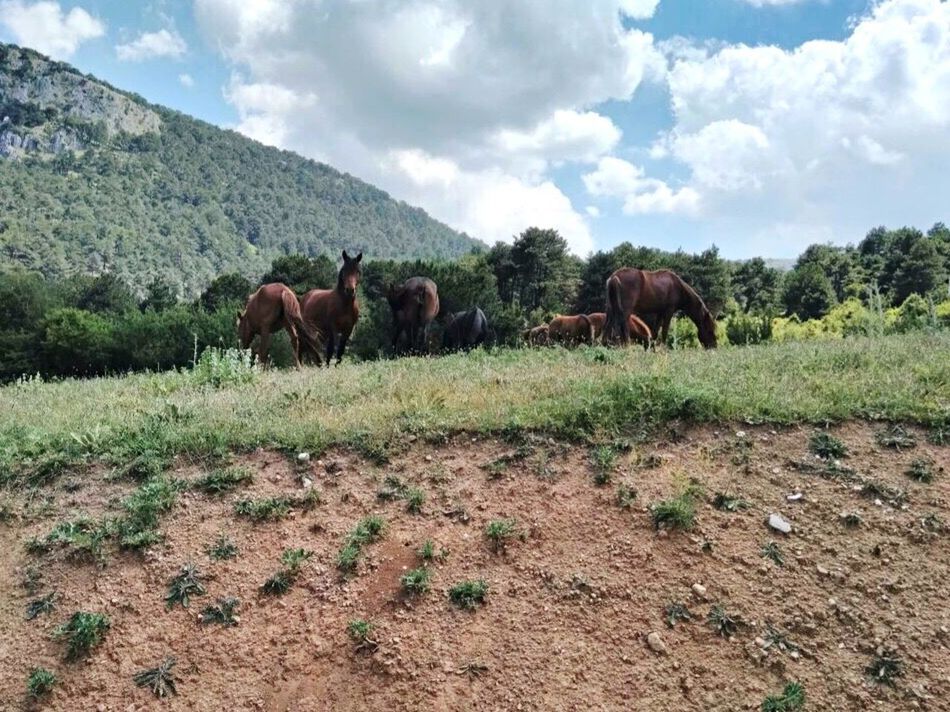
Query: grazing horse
537, 336
333, 312
655, 297
465, 330
639, 330
569, 330
415, 304
597, 320
271, 308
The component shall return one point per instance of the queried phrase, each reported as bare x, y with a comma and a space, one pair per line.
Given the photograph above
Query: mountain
94, 179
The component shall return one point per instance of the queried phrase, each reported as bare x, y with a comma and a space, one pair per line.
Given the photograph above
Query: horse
273, 307
598, 319
537, 336
639, 330
415, 303
334, 312
655, 297
465, 330
569, 330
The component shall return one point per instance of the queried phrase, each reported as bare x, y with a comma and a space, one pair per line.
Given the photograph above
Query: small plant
223, 480
921, 469
896, 437
223, 367
676, 513
722, 622
772, 552
676, 612
791, 698
82, 632
361, 632
885, 668
872, 489
294, 558
932, 523
278, 584
468, 594
826, 446
851, 520
626, 496
223, 548
366, 530
776, 638
428, 553
499, 531
415, 498
393, 488
939, 434
36, 607
83, 539
604, 459
282, 580
158, 679
729, 503
40, 682
416, 581
221, 612
138, 527
263, 509
183, 586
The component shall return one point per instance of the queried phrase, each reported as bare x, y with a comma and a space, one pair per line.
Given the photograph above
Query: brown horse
333, 312
597, 320
271, 308
639, 330
655, 297
569, 330
415, 304
537, 336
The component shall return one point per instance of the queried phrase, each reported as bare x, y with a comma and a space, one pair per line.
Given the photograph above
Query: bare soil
571, 599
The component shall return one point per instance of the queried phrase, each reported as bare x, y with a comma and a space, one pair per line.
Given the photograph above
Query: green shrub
82, 632
468, 594
224, 367
40, 682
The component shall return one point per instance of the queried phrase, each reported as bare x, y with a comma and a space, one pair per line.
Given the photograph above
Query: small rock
699, 590
656, 643
822, 570
794, 497
740, 433
779, 523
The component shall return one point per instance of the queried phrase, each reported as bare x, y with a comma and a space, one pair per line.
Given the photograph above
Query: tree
808, 292
546, 276
506, 272
302, 273
921, 270
838, 264
160, 295
76, 342
105, 294
756, 287
708, 274
226, 290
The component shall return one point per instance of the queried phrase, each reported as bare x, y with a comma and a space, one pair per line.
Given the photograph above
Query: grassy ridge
589, 392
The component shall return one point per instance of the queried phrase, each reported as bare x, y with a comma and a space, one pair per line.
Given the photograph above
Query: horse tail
616, 324
291, 307
589, 336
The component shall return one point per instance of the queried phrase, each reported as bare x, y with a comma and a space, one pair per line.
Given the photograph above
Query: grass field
589, 393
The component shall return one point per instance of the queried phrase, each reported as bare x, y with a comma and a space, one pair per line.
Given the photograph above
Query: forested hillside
97, 180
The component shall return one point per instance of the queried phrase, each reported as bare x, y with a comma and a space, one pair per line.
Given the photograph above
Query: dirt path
571, 599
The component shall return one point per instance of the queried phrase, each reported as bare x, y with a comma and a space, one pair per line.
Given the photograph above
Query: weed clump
921, 470
676, 513
158, 679
896, 437
367, 530
361, 633
676, 612
604, 460
223, 548
224, 367
885, 668
416, 581
729, 503
283, 579
499, 531
468, 594
183, 586
40, 682
826, 446
428, 553
626, 496
723, 623
39, 606
773, 553
82, 632
221, 612
792, 698
223, 480
415, 498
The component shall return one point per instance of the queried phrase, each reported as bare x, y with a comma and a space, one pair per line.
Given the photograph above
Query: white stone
779, 523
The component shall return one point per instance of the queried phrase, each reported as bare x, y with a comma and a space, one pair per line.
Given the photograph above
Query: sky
760, 126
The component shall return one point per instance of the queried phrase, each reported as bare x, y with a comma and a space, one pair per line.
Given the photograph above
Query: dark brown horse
333, 312
597, 320
415, 304
654, 297
271, 308
537, 336
570, 330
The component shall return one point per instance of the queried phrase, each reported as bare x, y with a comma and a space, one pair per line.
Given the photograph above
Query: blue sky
678, 123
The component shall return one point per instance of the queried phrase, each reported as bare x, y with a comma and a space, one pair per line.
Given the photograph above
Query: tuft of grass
826, 446
282, 580
183, 586
221, 612
428, 552
361, 632
772, 552
676, 612
776, 638
851, 520
293, 559
268, 508
896, 437
722, 622
604, 460
82, 632
872, 489
82, 538
223, 548
729, 503
499, 531
392, 488
922, 470
468, 594
39, 606
223, 480
40, 682
676, 513
885, 668
416, 581
367, 530
626, 496
159, 680
138, 527
939, 434
278, 584
415, 498
791, 698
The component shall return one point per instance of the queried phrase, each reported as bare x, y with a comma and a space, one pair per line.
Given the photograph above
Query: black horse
465, 330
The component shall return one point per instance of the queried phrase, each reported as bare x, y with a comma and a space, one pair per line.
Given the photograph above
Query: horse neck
690, 301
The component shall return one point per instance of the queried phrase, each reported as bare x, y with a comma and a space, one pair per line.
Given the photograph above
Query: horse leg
331, 344
263, 347
294, 341
396, 335
341, 347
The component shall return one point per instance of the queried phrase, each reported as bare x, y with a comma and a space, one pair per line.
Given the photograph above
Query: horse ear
346, 257
359, 257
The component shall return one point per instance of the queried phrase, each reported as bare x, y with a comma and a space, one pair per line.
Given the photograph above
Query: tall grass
579, 393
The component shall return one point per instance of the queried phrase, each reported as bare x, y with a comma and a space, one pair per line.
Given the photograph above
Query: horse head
707, 330
349, 277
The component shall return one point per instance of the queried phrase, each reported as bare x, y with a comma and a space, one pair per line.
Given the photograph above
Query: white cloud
151, 45
266, 109
500, 92
593, 211
768, 3
186, 80
46, 28
617, 178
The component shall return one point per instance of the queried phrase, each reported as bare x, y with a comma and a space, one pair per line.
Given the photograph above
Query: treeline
892, 281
